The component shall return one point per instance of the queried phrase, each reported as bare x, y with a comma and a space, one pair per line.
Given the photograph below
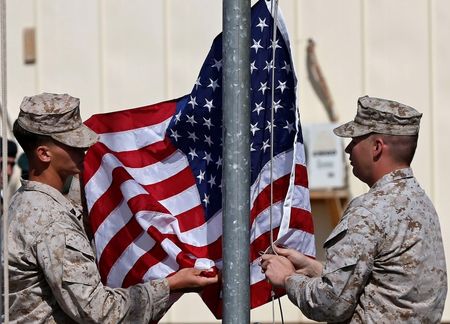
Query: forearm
69, 266
313, 269
137, 304
317, 300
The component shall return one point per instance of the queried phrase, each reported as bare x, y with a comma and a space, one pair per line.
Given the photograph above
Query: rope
274, 11
272, 90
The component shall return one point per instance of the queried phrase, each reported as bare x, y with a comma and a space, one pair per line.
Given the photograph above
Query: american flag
153, 181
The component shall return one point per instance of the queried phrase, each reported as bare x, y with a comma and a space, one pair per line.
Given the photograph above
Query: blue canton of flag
197, 126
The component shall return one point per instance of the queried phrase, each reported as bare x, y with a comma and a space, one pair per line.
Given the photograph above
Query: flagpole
4, 290
236, 160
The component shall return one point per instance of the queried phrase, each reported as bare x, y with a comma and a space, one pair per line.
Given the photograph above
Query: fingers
282, 251
190, 280
206, 281
204, 277
265, 257
273, 260
276, 269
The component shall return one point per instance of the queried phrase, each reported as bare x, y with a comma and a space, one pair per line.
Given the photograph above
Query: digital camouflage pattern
53, 271
384, 263
375, 115
57, 116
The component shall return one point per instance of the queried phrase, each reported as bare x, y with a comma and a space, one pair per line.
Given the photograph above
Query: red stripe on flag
141, 266
156, 255
115, 247
301, 219
261, 292
112, 198
261, 243
213, 250
173, 185
262, 202
127, 234
191, 219
125, 120
146, 203
92, 161
301, 176
143, 157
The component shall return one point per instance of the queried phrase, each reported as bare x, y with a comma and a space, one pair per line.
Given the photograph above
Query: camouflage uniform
385, 260
53, 272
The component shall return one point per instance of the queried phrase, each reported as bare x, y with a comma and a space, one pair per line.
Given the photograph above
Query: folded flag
153, 181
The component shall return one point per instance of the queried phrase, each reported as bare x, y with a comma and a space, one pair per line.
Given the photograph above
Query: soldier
53, 272
385, 259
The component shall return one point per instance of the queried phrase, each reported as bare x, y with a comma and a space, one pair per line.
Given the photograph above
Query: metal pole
4, 219
236, 160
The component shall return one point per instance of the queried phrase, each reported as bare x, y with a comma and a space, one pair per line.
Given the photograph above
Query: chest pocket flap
79, 261
338, 232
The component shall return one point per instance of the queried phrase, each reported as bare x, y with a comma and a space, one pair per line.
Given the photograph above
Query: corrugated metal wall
117, 54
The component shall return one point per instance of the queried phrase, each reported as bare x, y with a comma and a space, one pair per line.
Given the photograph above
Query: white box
324, 156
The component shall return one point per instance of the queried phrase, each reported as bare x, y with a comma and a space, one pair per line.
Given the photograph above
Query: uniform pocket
79, 261
338, 232
341, 258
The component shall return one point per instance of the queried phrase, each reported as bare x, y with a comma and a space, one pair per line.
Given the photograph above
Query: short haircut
29, 141
404, 147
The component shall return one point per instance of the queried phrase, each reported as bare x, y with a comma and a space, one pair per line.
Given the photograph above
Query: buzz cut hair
404, 147
29, 141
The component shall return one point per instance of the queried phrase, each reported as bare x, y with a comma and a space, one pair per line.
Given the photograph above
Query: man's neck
384, 169
48, 178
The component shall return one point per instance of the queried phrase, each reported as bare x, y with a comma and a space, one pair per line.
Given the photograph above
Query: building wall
117, 54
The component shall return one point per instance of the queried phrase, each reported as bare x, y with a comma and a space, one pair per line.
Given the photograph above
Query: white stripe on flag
134, 139
128, 258
102, 179
299, 240
112, 224
282, 165
256, 274
183, 201
261, 223
200, 236
161, 269
299, 157
301, 198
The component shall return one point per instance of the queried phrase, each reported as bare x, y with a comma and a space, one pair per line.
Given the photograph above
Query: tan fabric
375, 115
57, 116
384, 263
53, 272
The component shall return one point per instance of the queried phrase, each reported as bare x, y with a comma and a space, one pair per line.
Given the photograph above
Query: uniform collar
28, 185
393, 176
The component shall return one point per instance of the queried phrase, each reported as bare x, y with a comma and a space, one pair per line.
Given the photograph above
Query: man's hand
190, 280
302, 263
276, 268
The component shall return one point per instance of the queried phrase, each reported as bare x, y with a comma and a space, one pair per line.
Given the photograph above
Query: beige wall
117, 54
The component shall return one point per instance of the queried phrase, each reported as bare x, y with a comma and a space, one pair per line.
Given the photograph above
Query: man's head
380, 126
12, 152
50, 130
56, 116
381, 116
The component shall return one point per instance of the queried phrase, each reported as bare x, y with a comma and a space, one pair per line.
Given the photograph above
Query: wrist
173, 283
286, 280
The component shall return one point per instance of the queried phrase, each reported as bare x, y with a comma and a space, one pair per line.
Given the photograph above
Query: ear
377, 148
43, 153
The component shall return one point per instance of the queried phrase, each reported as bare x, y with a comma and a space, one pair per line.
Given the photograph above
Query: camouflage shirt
384, 261
52, 268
